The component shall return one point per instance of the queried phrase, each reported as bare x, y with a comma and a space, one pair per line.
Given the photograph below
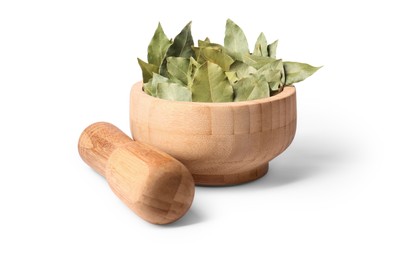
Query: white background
340, 191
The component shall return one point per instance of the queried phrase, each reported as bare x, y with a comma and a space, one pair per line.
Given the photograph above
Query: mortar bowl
220, 143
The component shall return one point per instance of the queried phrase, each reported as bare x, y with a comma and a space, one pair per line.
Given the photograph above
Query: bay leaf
232, 77
283, 76
210, 44
191, 72
296, 71
272, 49
272, 71
235, 41
257, 61
274, 74
275, 87
215, 55
157, 78
147, 70
250, 88
182, 43
177, 68
242, 69
197, 54
203, 44
147, 88
158, 47
210, 84
261, 48
151, 86
181, 47
173, 91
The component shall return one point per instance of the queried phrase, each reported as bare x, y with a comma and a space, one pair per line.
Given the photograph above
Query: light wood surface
220, 143
153, 184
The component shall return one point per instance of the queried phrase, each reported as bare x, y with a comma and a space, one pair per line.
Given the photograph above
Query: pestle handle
153, 184
97, 142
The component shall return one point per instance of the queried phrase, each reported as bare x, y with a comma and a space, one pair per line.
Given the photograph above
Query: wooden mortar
220, 143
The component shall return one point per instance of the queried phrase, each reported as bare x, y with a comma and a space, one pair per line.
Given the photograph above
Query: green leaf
147, 87
272, 49
296, 71
206, 44
181, 46
273, 73
173, 91
242, 70
235, 41
215, 55
191, 72
215, 73
157, 78
250, 88
283, 76
232, 77
261, 48
257, 61
147, 70
158, 47
210, 84
151, 86
210, 44
275, 87
177, 68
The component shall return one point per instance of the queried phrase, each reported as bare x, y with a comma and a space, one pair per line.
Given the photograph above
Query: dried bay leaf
272, 49
181, 47
210, 84
275, 88
157, 78
215, 55
158, 47
235, 41
211, 72
242, 69
261, 48
232, 77
274, 82
173, 91
210, 44
177, 68
151, 86
296, 71
147, 87
192, 70
250, 88
257, 61
147, 70
272, 71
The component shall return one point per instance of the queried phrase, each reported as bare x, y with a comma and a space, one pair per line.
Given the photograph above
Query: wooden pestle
153, 184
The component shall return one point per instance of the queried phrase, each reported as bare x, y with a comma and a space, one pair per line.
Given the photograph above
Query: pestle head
153, 184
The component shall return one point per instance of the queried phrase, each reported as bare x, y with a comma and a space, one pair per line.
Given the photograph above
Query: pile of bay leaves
210, 72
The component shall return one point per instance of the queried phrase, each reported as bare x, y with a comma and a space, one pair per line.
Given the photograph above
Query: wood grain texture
153, 184
220, 143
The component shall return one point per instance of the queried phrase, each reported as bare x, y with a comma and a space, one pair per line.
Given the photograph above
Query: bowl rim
286, 92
